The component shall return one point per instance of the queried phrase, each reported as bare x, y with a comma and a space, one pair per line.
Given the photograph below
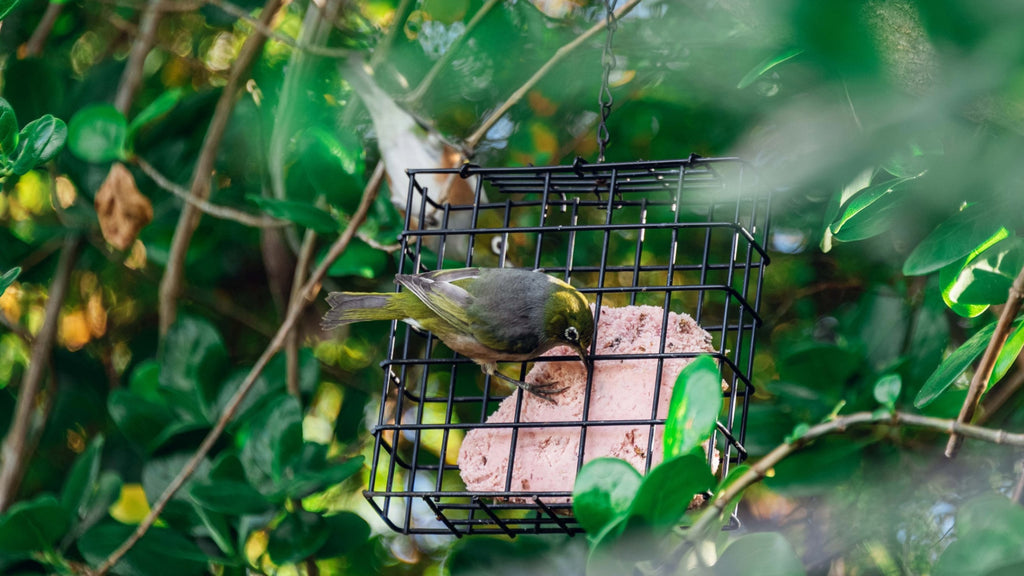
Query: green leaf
316, 476
798, 432
953, 281
953, 366
346, 531
333, 165
887, 389
141, 421
229, 497
6, 6
8, 125
160, 551
158, 473
40, 141
693, 411
359, 259
275, 435
987, 278
767, 64
98, 133
479, 555
192, 364
869, 212
8, 278
604, 490
81, 481
157, 108
1008, 355
955, 238
32, 525
301, 213
763, 553
666, 492
297, 537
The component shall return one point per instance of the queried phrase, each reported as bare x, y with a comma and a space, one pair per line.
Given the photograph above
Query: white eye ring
571, 334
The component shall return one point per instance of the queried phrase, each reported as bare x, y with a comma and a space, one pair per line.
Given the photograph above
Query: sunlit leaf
767, 64
8, 278
693, 411
955, 238
667, 490
39, 141
955, 278
869, 212
986, 279
954, 365
887, 389
1008, 355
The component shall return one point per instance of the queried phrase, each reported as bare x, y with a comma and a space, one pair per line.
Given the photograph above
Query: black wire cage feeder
686, 236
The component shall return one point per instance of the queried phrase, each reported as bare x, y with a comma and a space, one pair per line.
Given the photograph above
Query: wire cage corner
685, 235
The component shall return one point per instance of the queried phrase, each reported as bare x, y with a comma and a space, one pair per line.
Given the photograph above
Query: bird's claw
545, 391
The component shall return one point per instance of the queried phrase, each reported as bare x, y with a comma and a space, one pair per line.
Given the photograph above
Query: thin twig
988, 360
369, 241
294, 309
170, 285
449, 54
559, 55
14, 444
758, 471
36, 42
292, 349
205, 206
266, 30
131, 78
383, 47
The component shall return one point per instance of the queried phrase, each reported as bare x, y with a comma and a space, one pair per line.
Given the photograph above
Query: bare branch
35, 44
131, 78
170, 285
265, 30
560, 55
205, 206
292, 350
294, 309
389, 248
14, 444
988, 361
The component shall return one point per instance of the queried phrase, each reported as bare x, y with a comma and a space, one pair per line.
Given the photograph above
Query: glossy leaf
315, 477
767, 64
667, 490
987, 278
954, 365
346, 532
604, 490
141, 421
869, 212
301, 213
39, 141
6, 6
1008, 355
955, 238
160, 551
764, 554
333, 164
8, 278
8, 126
32, 525
693, 411
275, 436
297, 537
953, 281
97, 133
81, 481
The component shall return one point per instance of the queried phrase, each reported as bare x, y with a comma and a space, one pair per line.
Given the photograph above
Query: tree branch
170, 285
560, 55
14, 444
265, 30
294, 309
205, 206
988, 361
35, 44
758, 471
131, 78
292, 350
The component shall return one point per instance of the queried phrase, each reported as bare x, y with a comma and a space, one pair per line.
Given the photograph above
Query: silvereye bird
489, 315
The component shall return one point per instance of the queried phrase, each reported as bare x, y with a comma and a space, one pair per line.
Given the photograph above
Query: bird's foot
546, 391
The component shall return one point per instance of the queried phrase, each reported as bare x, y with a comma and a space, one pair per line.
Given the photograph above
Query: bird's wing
442, 297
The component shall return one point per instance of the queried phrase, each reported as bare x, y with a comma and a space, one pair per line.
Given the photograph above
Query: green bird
489, 315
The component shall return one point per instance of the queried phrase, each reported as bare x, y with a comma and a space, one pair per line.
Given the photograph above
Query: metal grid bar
686, 235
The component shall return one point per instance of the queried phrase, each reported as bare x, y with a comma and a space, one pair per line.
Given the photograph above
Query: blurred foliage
888, 131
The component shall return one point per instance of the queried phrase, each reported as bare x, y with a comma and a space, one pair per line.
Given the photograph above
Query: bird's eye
571, 334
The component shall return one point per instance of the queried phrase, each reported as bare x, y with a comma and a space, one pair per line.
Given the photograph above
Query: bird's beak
583, 356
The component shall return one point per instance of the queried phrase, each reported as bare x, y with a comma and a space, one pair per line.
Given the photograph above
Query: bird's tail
349, 307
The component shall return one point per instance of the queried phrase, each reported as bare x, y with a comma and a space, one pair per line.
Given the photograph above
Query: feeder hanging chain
604, 98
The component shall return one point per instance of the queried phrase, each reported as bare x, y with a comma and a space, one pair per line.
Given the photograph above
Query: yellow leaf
131, 507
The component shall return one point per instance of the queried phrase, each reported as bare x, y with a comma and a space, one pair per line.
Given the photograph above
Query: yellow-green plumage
486, 314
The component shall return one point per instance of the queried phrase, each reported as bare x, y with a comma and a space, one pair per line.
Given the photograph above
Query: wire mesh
684, 235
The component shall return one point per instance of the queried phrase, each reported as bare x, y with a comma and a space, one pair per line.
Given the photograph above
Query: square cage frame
687, 235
